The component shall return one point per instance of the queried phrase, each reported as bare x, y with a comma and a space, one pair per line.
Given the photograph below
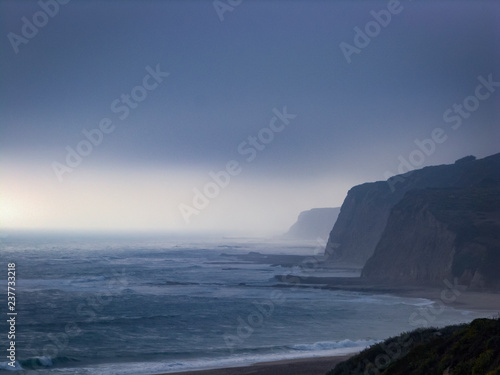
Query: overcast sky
332, 110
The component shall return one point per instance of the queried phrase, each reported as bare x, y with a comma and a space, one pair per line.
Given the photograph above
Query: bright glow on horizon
10, 211
133, 200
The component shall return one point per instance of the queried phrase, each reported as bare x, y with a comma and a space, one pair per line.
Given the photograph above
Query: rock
437, 234
313, 224
364, 213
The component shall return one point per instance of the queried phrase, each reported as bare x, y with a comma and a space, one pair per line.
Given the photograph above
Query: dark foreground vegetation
466, 349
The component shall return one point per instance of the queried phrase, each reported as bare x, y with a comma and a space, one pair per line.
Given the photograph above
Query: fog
119, 117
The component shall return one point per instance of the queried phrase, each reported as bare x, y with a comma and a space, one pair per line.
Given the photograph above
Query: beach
455, 296
302, 366
465, 299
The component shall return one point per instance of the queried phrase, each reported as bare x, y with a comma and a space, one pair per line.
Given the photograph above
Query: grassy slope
470, 349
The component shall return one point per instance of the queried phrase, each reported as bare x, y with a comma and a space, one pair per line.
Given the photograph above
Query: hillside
470, 349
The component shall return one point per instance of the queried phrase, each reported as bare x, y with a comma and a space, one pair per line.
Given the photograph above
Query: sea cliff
366, 209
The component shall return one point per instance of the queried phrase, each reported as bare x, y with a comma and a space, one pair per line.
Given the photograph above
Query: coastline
474, 301
450, 295
300, 366
487, 301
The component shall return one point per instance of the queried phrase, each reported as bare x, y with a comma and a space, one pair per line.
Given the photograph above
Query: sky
232, 116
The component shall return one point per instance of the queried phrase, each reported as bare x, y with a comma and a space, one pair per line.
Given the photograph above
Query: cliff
364, 213
314, 223
437, 234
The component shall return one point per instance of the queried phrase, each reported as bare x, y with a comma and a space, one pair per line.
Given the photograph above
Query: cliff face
365, 211
314, 223
413, 246
437, 234
360, 223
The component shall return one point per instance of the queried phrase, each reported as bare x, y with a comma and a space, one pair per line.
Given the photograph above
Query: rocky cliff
364, 213
314, 223
437, 234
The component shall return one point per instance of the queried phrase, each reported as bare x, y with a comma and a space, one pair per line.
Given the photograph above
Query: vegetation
467, 349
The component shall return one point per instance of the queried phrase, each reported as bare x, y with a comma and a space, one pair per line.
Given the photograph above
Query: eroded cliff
365, 211
437, 234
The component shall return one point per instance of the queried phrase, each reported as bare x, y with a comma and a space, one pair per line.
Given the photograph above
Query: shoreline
298, 366
453, 296
473, 301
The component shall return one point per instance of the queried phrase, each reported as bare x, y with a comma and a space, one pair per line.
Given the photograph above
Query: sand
303, 366
457, 297
466, 300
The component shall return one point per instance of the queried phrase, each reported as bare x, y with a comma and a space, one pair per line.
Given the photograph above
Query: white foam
45, 361
333, 345
314, 350
6, 366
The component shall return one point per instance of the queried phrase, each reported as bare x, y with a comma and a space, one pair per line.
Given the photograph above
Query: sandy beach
465, 300
449, 295
303, 366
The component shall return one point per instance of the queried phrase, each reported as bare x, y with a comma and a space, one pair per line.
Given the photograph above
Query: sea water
112, 305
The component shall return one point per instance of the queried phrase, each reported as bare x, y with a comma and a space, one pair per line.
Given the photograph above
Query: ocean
95, 305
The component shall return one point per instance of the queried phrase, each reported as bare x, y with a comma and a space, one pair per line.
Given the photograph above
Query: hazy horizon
264, 92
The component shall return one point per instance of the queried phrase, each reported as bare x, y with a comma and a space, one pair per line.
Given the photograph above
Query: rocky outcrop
365, 211
313, 224
437, 234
